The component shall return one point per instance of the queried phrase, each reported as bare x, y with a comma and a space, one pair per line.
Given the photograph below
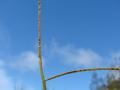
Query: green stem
39, 50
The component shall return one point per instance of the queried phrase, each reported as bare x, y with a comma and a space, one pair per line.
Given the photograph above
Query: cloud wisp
26, 61
77, 56
5, 81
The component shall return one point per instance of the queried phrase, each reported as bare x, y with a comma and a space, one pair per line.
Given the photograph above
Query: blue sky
75, 34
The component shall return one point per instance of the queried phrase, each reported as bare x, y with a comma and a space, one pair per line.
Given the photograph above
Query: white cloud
77, 56
25, 61
5, 81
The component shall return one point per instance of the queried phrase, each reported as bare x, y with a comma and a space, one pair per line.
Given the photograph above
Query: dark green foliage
110, 82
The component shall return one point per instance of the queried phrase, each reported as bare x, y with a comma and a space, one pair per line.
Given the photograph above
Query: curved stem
80, 70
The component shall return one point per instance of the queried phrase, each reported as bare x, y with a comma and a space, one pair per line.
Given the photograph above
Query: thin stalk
39, 48
80, 70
